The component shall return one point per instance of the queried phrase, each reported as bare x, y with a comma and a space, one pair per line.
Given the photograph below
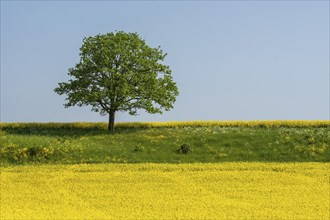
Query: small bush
184, 149
33, 153
138, 148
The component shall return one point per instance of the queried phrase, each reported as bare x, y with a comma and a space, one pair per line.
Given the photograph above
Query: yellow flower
166, 191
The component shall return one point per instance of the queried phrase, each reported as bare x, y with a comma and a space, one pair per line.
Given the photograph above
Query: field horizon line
191, 123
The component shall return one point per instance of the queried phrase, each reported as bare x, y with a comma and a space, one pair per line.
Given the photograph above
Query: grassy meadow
210, 142
233, 170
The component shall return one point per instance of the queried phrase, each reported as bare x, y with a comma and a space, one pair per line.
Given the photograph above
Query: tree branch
103, 106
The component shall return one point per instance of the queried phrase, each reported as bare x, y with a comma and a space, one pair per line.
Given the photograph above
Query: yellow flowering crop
166, 191
101, 125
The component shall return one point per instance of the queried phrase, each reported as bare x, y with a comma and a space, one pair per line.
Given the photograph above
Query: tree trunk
111, 125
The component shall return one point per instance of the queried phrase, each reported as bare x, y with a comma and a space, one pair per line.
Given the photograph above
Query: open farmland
166, 191
210, 142
233, 170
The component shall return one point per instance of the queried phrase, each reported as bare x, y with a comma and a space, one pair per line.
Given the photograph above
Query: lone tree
119, 72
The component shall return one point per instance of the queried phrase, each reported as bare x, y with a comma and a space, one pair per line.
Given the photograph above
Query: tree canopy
120, 72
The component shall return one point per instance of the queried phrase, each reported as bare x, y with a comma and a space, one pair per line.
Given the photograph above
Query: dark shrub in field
184, 148
33, 153
138, 148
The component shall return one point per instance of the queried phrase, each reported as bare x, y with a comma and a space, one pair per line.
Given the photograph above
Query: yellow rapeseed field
102, 125
166, 191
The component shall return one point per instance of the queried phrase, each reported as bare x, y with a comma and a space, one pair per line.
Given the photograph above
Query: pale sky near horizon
232, 60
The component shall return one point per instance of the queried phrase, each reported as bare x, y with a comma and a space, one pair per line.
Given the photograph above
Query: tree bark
111, 125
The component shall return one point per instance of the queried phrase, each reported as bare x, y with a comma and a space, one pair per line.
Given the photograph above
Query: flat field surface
241, 190
210, 142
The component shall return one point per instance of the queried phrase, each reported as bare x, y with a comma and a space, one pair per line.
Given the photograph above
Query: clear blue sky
241, 60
